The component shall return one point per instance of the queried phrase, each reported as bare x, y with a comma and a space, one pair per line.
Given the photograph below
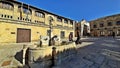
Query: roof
115, 15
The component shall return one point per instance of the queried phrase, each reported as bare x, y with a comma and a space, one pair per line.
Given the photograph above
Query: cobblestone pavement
100, 53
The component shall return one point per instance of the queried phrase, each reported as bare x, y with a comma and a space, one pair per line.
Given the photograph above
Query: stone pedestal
58, 54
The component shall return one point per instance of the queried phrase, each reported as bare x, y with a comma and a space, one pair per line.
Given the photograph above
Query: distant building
20, 22
78, 29
106, 26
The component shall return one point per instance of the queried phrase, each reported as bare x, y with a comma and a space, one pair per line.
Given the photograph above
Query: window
19, 9
2, 15
102, 33
101, 25
11, 17
77, 28
40, 14
25, 10
8, 16
118, 23
71, 22
59, 19
65, 21
5, 16
71, 33
110, 32
109, 24
62, 34
6, 5
18, 18
35, 21
91, 29
94, 26
38, 21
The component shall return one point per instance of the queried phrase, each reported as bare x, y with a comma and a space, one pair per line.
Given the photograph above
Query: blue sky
78, 9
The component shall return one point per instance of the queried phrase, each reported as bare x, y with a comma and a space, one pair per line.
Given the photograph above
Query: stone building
78, 29
106, 26
20, 22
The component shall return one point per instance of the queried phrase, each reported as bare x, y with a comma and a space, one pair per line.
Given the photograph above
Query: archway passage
85, 28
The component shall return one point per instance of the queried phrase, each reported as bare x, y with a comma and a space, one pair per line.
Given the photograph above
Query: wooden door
23, 35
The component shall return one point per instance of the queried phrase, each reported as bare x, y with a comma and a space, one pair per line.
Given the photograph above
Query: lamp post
50, 31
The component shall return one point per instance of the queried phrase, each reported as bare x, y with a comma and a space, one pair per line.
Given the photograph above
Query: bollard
24, 52
54, 55
40, 45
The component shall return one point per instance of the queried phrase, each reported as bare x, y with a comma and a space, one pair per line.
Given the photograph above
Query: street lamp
50, 31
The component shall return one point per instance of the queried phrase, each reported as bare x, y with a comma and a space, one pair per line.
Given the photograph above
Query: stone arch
40, 14
25, 9
6, 5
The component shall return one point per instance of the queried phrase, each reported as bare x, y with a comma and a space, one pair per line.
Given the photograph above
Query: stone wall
105, 30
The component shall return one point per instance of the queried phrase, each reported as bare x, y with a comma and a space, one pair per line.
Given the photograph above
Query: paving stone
112, 63
82, 66
85, 67
95, 66
56, 67
104, 66
87, 62
99, 60
89, 57
118, 64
